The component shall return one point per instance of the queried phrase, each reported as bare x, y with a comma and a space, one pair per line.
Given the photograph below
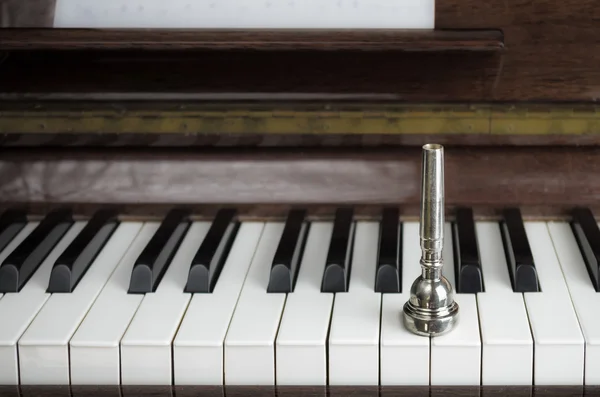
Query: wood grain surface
286, 75
541, 180
549, 54
246, 141
196, 39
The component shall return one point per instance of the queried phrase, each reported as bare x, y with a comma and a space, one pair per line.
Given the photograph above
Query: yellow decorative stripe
366, 119
556, 121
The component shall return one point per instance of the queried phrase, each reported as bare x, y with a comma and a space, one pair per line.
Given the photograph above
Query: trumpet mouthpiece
431, 309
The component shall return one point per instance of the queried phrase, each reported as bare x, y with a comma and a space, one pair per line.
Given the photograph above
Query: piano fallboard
544, 181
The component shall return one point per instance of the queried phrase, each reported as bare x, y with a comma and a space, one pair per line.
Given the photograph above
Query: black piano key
12, 221
212, 253
286, 261
467, 264
75, 261
154, 260
518, 253
339, 256
22, 263
388, 276
587, 235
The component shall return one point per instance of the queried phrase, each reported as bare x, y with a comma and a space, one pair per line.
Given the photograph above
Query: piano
222, 198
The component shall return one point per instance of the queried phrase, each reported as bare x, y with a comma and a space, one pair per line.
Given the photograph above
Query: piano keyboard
222, 302
246, 14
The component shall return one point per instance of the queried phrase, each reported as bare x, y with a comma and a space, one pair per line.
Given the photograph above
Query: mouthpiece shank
431, 229
431, 309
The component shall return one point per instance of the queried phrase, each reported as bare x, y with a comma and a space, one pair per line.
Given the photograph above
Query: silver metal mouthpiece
431, 309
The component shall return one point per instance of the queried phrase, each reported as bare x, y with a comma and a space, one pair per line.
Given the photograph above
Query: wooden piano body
143, 120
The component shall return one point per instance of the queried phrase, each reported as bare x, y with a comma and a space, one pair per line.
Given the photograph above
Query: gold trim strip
556, 121
356, 119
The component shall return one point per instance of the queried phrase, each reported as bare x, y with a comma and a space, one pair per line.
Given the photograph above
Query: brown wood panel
549, 45
218, 139
249, 75
550, 54
194, 39
487, 178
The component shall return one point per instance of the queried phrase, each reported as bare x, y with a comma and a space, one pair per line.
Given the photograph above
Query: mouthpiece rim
433, 147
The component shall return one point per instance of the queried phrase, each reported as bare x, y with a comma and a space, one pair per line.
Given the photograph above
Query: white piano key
404, 355
558, 342
18, 309
31, 368
461, 345
301, 347
250, 341
507, 345
496, 277
246, 14
354, 333
44, 347
583, 295
198, 345
146, 346
94, 348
